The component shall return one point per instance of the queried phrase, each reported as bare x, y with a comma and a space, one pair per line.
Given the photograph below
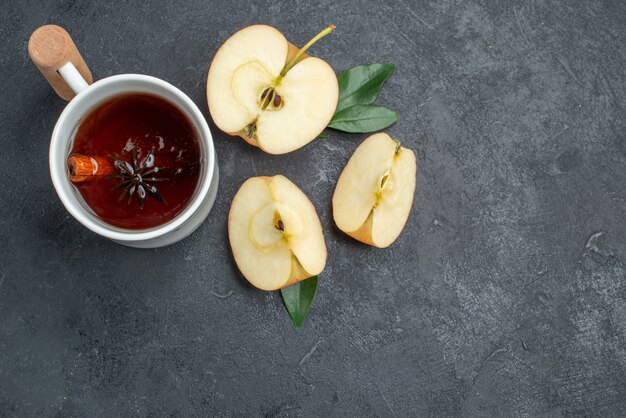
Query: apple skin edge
297, 272
364, 233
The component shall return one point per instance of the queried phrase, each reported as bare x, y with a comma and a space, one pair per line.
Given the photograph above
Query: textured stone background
505, 295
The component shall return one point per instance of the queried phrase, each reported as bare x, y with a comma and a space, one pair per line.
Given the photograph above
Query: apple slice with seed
275, 233
270, 93
374, 194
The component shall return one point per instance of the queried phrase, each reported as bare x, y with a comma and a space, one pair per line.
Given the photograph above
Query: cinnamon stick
87, 167
84, 167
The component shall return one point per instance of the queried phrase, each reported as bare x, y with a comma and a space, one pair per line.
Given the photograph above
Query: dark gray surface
505, 295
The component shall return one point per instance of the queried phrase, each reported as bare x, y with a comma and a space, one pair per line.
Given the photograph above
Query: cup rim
58, 169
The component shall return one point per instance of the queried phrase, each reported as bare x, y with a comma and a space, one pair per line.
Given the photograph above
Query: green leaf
363, 118
298, 299
360, 85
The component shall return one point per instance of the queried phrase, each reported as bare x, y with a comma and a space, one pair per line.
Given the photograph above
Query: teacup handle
53, 51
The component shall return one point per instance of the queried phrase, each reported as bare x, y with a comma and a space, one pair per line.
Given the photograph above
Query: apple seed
277, 101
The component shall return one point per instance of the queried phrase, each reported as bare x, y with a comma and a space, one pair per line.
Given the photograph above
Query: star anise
136, 177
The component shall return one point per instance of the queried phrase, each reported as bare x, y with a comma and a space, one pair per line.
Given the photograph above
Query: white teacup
55, 54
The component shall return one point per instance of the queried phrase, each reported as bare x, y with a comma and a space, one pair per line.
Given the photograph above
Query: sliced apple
274, 96
275, 233
374, 194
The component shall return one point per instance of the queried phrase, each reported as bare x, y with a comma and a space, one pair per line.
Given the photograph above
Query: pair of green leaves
358, 89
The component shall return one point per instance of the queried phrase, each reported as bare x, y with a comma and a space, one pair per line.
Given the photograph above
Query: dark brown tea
136, 161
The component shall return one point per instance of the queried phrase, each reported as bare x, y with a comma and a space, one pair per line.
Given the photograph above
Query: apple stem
302, 50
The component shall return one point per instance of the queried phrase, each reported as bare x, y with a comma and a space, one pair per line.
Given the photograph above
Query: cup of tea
131, 156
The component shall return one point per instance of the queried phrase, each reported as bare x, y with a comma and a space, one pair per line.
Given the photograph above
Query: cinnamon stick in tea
84, 167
